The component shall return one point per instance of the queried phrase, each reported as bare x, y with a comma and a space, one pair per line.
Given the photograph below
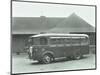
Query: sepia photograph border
57, 4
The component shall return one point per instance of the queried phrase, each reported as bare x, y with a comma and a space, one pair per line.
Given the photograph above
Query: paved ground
21, 64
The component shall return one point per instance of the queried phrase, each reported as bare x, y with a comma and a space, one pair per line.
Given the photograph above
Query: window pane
84, 41
43, 41
75, 40
36, 41
53, 41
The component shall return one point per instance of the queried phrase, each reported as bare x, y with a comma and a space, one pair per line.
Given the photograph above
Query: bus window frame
61, 42
37, 39
76, 43
47, 41
86, 39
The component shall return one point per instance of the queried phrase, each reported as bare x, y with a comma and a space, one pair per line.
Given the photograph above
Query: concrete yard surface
21, 64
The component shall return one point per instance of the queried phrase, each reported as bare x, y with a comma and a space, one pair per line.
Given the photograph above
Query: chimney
43, 20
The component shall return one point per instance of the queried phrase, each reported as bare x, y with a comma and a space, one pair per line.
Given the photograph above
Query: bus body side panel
85, 49
57, 50
75, 49
54, 50
68, 51
82, 49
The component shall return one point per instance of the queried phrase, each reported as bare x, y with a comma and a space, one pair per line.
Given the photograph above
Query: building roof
73, 23
34, 25
31, 25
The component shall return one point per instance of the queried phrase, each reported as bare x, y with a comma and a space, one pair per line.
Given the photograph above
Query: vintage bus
47, 47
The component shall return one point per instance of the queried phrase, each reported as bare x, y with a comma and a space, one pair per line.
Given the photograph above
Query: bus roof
58, 35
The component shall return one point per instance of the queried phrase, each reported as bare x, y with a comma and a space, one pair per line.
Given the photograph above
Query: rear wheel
77, 56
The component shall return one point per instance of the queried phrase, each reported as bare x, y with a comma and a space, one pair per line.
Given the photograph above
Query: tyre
47, 59
77, 56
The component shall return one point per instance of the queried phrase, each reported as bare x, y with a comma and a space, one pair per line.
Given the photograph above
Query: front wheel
47, 59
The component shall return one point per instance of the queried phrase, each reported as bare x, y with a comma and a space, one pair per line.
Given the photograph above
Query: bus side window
43, 41
84, 41
63, 41
53, 41
60, 41
67, 40
75, 40
57, 41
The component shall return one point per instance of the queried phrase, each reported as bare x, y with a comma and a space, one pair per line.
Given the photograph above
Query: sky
26, 9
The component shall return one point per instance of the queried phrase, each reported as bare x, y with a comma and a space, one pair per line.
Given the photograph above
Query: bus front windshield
38, 41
